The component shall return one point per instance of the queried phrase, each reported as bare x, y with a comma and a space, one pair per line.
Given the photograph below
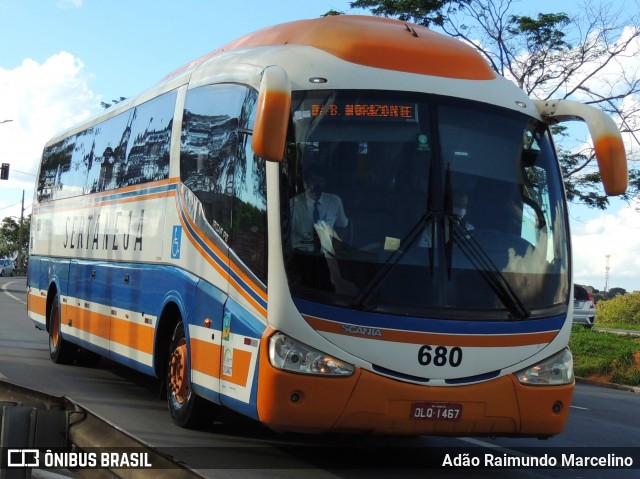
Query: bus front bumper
369, 403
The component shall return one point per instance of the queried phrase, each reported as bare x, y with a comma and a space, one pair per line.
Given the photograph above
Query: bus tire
60, 350
187, 409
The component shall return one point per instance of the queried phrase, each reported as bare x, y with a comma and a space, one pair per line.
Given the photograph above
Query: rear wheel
60, 350
187, 409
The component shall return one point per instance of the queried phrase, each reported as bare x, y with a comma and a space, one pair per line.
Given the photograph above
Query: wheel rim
178, 372
55, 327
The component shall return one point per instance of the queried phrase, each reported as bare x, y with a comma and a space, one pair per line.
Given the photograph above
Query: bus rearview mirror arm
607, 141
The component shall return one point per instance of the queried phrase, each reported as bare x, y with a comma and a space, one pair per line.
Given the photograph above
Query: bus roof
370, 41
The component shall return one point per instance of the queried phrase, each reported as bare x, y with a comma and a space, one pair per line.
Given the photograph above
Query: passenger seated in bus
460, 203
459, 209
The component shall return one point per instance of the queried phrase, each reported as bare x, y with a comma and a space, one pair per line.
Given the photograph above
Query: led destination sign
384, 111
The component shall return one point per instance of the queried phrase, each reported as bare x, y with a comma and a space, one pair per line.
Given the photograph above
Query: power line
10, 206
24, 173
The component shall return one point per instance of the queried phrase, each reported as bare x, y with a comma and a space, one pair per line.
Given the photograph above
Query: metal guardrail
35, 422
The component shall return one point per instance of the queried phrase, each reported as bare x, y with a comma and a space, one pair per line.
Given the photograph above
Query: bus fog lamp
290, 355
555, 370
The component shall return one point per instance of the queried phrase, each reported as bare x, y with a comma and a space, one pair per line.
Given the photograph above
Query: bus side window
249, 228
128, 149
218, 165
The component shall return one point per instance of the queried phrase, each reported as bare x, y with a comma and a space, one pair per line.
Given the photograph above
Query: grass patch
606, 356
618, 325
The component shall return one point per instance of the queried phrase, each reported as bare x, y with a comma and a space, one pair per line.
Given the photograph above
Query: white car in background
6, 267
584, 307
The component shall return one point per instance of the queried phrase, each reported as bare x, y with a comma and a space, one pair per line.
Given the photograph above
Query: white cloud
616, 234
41, 100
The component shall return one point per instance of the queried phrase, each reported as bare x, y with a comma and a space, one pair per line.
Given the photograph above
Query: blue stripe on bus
249, 409
430, 325
249, 290
220, 261
97, 198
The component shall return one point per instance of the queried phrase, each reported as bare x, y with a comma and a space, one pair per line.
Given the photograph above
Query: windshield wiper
396, 256
494, 278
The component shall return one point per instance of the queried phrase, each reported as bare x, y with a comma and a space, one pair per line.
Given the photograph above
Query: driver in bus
316, 215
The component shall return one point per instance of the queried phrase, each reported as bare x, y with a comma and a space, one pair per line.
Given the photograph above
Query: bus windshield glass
422, 205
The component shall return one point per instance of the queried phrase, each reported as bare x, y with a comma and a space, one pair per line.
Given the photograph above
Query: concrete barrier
34, 423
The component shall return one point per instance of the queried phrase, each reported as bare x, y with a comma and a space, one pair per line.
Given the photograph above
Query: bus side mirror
272, 114
607, 142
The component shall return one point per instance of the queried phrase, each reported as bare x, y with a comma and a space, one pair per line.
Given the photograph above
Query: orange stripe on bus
94, 200
247, 296
205, 357
216, 251
414, 337
126, 333
152, 196
87, 321
203, 253
133, 335
248, 280
240, 368
37, 304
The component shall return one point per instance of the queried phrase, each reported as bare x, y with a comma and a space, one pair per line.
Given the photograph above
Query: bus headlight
290, 355
555, 370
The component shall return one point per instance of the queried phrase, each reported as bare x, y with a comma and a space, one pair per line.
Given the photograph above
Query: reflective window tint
128, 149
218, 165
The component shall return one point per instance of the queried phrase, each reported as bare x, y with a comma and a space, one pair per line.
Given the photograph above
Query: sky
60, 58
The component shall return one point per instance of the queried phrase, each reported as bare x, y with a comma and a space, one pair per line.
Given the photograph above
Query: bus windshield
421, 205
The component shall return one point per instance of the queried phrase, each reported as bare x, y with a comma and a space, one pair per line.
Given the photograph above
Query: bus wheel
187, 409
60, 350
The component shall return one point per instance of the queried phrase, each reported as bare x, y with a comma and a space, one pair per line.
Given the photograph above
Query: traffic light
4, 171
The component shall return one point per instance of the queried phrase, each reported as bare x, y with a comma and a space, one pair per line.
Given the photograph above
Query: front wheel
60, 350
187, 409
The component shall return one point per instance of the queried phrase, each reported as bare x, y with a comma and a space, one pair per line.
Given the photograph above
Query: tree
9, 237
552, 55
421, 12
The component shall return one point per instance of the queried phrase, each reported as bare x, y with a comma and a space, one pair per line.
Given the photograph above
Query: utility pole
606, 274
20, 233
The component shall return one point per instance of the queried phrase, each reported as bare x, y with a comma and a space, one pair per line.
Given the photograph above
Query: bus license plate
430, 411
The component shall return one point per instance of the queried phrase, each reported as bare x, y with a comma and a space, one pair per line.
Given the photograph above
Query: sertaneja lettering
105, 236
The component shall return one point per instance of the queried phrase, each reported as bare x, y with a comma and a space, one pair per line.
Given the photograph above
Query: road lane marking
4, 289
578, 407
478, 442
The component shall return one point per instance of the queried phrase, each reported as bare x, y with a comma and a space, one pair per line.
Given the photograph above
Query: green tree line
10, 245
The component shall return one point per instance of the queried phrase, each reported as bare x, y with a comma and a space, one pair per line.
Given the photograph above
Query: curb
622, 387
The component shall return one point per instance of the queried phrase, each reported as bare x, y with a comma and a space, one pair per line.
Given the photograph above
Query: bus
344, 224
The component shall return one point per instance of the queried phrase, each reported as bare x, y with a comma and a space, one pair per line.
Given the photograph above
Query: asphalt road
602, 421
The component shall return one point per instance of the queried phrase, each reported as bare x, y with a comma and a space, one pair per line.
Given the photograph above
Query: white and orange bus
341, 224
